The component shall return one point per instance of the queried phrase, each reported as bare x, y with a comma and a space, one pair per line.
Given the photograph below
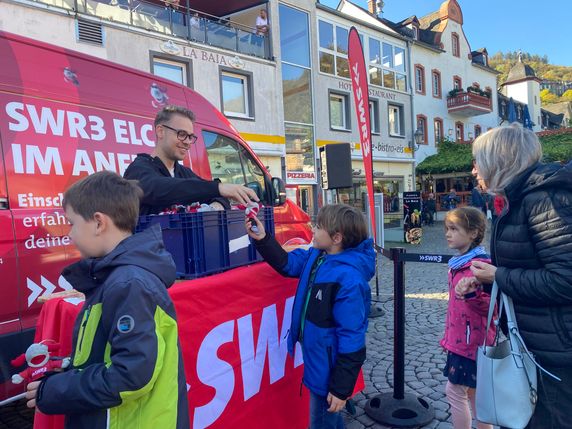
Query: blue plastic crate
201, 243
180, 233
236, 231
209, 242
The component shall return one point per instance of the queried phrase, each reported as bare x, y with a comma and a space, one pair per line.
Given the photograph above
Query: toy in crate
208, 242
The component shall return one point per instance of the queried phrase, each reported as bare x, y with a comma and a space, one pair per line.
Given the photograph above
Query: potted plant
455, 92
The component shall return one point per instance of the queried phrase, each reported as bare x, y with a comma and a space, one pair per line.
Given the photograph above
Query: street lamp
418, 136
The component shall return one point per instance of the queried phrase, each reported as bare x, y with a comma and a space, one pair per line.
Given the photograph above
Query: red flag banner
358, 74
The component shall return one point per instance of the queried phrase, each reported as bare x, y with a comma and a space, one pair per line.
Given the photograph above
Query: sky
541, 28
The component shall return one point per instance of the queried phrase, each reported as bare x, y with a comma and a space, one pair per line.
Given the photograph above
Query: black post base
411, 411
375, 311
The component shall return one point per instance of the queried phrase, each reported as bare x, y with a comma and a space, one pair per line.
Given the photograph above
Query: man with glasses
166, 182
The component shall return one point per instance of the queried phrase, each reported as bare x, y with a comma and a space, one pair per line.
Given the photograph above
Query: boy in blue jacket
127, 369
329, 315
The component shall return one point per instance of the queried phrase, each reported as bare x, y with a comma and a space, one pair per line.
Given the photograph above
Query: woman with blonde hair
531, 250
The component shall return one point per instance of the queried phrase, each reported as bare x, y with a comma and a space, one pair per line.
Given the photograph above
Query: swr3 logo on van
45, 287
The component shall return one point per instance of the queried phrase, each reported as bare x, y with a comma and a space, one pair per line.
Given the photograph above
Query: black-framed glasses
182, 135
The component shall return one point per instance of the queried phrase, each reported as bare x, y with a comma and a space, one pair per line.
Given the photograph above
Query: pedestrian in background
430, 209
478, 200
330, 310
452, 199
465, 324
532, 256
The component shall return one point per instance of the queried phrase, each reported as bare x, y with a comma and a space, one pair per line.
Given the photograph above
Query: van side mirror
279, 191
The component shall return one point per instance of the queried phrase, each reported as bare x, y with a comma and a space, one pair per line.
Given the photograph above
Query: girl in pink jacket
465, 325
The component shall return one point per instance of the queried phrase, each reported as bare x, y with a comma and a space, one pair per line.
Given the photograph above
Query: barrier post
399, 409
374, 310
398, 323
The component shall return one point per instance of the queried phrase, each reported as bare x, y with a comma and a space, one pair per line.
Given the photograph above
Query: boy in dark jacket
329, 315
127, 369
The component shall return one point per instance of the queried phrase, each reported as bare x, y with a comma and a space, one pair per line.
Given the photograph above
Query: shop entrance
303, 196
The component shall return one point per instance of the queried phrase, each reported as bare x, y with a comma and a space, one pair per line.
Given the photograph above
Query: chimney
375, 7
371, 6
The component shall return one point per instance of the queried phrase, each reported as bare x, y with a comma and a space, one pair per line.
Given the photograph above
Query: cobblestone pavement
425, 307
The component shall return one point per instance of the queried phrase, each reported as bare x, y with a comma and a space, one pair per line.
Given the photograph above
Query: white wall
527, 92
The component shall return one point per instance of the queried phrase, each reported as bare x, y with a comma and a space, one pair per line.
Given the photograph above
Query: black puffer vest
532, 247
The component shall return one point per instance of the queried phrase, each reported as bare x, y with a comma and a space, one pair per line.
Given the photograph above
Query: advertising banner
412, 217
358, 73
233, 330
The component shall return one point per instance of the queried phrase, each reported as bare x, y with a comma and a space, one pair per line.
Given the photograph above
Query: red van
64, 115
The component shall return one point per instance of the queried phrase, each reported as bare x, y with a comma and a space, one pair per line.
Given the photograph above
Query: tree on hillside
546, 97
567, 96
503, 62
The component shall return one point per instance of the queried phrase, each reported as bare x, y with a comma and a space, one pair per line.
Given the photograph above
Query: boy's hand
31, 392
254, 235
465, 285
336, 404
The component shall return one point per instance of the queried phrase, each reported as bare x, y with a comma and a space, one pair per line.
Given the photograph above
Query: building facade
386, 53
454, 87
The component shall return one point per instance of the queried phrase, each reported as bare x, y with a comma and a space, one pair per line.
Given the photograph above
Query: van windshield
231, 163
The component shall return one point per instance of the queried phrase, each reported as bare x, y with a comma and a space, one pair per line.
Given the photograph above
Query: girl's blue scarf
457, 262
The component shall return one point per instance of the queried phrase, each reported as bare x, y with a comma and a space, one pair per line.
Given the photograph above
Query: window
297, 94
457, 83
374, 116
172, 70
420, 79
436, 83
422, 125
415, 30
386, 65
438, 125
455, 47
333, 49
236, 95
478, 131
396, 124
231, 163
459, 131
339, 111
299, 147
294, 36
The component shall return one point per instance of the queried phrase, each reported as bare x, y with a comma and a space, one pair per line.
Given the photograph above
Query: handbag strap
513, 328
507, 306
494, 293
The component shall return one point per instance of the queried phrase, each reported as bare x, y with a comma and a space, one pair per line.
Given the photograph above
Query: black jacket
162, 191
531, 245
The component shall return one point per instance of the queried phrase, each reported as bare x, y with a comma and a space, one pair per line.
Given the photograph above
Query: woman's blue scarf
457, 262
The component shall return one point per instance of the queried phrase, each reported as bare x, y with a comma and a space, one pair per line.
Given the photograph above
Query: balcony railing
469, 104
178, 21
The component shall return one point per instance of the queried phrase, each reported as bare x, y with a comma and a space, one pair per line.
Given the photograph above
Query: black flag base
375, 311
410, 411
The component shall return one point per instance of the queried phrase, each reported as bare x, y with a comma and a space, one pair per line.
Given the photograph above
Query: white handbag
506, 373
